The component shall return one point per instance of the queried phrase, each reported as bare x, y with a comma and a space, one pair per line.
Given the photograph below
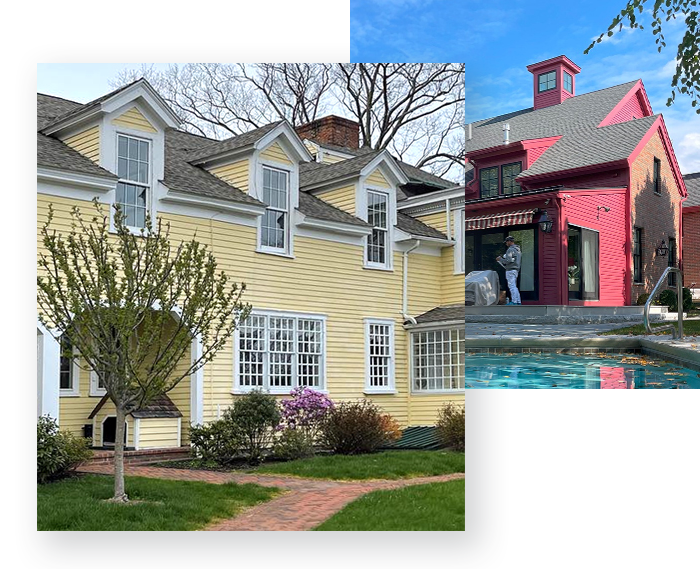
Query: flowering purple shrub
305, 410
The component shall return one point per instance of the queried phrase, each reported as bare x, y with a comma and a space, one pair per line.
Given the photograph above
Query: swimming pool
571, 371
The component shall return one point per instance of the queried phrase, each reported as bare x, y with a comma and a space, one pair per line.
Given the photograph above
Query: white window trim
391, 388
388, 264
138, 135
96, 391
427, 392
459, 253
288, 250
74, 391
240, 389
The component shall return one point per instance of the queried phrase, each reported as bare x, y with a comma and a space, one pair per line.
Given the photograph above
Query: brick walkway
305, 503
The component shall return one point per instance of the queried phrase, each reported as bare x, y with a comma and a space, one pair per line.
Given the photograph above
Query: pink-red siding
632, 109
691, 252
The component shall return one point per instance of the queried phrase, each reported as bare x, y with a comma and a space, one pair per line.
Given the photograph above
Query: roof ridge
61, 98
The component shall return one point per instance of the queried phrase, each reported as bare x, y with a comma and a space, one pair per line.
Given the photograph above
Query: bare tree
416, 110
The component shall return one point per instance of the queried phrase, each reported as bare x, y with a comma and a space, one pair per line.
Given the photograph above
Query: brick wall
691, 247
657, 214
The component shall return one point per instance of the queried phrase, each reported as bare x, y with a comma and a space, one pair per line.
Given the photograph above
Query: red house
587, 184
691, 234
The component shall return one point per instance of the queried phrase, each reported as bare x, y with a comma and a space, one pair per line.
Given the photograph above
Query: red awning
491, 220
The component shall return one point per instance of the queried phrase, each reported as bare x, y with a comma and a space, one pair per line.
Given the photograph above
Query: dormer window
275, 220
134, 174
378, 218
547, 81
568, 82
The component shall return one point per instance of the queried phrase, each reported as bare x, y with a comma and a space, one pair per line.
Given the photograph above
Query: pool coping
611, 344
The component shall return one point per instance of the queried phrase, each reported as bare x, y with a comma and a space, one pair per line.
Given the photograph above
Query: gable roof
590, 147
575, 115
313, 173
217, 147
692, 184
316, 208
415, 227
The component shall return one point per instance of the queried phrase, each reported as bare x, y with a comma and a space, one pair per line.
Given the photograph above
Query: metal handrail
679, 292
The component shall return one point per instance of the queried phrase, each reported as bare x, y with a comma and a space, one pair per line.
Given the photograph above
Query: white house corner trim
48, 373
197, 386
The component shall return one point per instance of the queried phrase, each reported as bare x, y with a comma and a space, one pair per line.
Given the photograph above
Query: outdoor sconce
662, 250
545, 223
604, 208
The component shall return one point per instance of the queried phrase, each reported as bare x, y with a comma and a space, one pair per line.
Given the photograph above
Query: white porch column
197, 386
47, 373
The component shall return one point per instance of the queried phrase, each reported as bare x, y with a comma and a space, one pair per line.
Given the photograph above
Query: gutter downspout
404, 309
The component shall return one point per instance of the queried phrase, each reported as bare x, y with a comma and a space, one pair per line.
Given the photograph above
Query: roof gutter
404, 310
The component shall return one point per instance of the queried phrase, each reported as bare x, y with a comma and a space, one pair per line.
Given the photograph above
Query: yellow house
352, 260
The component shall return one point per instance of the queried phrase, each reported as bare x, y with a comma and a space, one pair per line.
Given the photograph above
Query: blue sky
497, 39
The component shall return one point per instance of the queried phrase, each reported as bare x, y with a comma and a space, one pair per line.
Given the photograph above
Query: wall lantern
545, 223
662, 250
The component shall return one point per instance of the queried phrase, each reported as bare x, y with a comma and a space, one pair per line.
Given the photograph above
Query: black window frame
672, 261
571, 82
512, 178
539, 81
637, 255
582, 295
657, 175
481, 182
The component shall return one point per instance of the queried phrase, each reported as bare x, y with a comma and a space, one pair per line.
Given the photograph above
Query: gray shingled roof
579, 113
692, 184
316, 208
442, 314
591, 147
214, 148
160, 407
52, 153
182, 176
413, 226
311, 173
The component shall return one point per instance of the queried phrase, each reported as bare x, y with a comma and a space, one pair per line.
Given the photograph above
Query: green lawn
428, 507
690, 328
387, 465
77, 504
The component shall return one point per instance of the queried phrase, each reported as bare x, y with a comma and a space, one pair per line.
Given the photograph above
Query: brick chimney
554, 81
332, 130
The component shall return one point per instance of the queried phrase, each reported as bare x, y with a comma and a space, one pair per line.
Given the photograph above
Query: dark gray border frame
482, 546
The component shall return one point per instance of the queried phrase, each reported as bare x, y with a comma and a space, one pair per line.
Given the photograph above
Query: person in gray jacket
511, 263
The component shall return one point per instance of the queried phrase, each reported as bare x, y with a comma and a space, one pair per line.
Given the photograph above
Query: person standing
511, 263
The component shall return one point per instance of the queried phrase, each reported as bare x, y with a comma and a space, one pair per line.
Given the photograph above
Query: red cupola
554, 81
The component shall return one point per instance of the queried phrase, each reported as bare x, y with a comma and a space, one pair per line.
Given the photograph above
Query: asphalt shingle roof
318, 209
591, 147
413, 226
442, 314
311, 173
161, 406
692, 184
217, 147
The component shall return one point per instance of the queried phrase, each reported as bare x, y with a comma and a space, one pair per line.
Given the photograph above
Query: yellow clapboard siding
324, 277
134, 119
86, 142
376, 178
436, 220
236, 174
424, 408
342, 198
158, 432
452, 285
275, 153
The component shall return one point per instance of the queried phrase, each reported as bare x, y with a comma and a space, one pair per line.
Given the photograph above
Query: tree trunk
119, 494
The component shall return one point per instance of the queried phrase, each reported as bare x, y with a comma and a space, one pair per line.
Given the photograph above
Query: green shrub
58, 452
357, 427
256, 415
219, 442
450, 426
642, 300
293, 444
669, 298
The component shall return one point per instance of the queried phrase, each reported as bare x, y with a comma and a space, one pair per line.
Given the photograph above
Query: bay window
279, 352
437, 362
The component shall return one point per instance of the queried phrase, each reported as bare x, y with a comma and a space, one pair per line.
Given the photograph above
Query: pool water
570, 371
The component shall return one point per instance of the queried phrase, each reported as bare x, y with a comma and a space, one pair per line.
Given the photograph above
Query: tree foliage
686, 79
131, 306
416, 110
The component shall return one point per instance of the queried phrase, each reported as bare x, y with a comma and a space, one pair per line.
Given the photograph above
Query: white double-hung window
69, 372
379, 355
278, 352
437, 360
274, 231
133, 188
378, 218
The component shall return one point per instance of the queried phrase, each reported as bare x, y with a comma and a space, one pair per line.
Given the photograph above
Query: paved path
305, 503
